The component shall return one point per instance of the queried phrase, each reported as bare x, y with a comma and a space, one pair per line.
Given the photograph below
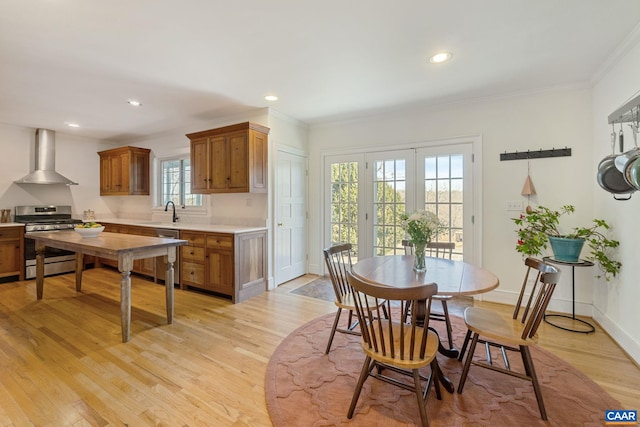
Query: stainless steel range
38, 219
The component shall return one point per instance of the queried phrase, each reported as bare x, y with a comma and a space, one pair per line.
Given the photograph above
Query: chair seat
347, 302
491, 325
442, 297
404, 360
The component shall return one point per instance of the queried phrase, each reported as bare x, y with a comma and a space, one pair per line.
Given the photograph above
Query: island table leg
79, 268
125, 304
169, 282
40, 247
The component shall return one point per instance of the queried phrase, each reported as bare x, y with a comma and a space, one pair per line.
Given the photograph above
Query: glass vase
419, 264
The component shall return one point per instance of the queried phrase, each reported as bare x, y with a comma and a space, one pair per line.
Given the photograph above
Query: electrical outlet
513, 205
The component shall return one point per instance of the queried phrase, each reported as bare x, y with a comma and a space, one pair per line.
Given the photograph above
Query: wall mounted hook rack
533, 154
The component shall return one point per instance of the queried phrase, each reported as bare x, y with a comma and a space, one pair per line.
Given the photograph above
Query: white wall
76, 158
616, 302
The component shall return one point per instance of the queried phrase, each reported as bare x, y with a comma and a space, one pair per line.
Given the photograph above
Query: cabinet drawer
192, 274
192, 253
9, 233
221, 241
194, 239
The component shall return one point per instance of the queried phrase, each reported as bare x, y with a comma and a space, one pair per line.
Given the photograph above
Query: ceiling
191, 61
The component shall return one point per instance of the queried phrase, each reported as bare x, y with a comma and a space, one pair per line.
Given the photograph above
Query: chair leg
464, 345
421, 403
445, 310
528, 364
467, 363
333, 330
364, 373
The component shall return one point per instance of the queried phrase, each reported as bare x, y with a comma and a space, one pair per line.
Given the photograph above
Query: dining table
454, 278
125, 248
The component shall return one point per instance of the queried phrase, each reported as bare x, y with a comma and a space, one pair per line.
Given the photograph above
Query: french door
368, 192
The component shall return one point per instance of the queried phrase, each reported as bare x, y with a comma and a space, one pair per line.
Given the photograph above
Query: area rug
305, 387
320, 288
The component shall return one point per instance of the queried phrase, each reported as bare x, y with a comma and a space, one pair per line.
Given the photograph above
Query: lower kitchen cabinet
229, 264
12, 252
145, 266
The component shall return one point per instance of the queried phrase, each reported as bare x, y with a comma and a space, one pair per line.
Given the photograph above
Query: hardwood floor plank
62, 361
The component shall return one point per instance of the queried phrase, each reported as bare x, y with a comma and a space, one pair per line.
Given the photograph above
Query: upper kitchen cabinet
230, 159
124, 171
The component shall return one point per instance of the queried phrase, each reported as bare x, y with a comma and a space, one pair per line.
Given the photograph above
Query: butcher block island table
125, 248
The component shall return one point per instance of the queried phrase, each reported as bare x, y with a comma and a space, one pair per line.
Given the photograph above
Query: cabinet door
105, 175
139, 173
219, 151
148, 265
121, 167
238, 161
258, 162
220, 271
200, 166
9, 257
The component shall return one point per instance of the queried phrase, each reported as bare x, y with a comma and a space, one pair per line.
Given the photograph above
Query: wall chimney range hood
45, 162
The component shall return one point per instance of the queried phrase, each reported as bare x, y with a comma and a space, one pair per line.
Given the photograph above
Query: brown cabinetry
12, 252
231, 159
229, 264
192, 258
124, 171
146, 266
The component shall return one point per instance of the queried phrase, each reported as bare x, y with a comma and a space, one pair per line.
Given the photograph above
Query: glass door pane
443, 174
344, 180
392, 195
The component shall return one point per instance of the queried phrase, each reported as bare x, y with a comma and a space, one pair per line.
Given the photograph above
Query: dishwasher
161, 266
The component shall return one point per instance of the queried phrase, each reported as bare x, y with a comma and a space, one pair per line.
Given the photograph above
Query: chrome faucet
173, 205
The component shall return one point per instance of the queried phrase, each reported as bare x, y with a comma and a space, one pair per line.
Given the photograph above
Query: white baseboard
628, 344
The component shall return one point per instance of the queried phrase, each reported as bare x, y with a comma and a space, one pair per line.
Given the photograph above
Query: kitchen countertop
11, 224
214, 228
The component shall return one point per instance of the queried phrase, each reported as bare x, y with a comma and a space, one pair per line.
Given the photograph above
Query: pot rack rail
628, 112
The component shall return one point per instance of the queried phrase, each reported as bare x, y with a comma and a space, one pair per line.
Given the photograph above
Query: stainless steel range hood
44, 172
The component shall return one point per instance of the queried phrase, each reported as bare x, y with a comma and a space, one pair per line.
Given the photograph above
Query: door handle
280, 224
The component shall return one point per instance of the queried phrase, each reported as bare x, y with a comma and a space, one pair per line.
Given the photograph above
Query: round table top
453, 277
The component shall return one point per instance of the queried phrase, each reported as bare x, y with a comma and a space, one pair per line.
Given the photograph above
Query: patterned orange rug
305, 387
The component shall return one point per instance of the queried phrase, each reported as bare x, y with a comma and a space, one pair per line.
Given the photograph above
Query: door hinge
473, 219
473, 157
366, 216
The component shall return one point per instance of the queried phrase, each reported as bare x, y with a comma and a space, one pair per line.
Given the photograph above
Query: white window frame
159, 188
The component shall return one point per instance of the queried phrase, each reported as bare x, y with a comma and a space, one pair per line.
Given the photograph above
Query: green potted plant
540, 227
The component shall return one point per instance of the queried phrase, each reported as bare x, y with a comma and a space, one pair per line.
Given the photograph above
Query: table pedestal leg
420, 311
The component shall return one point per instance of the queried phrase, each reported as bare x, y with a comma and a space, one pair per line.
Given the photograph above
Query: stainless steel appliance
38, 219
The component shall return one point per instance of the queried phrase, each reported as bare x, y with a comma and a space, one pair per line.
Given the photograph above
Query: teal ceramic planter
565, 249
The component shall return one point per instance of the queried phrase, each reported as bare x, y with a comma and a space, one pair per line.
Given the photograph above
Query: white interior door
291, 217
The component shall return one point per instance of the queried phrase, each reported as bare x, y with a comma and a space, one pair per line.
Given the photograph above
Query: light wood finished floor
62, 361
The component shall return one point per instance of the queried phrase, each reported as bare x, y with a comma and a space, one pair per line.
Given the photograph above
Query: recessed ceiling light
73, 125
134, 103
440, 57
271, 98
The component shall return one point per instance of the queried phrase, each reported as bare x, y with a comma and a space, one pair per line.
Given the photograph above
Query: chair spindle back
338, 260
